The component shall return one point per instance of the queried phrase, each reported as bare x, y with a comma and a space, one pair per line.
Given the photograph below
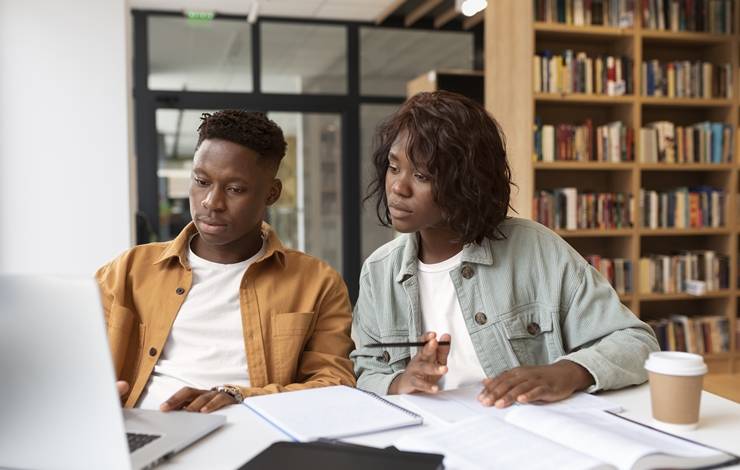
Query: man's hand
540, 383
425, 369
200, 401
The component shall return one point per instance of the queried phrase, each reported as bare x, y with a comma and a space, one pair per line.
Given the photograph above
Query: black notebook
328, 456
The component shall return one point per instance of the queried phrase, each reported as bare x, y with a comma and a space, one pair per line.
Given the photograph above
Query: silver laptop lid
59, 407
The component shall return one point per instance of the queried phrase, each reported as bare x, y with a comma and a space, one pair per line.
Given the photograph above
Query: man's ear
275, 191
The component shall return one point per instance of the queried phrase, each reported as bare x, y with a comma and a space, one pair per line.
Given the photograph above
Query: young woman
526, 316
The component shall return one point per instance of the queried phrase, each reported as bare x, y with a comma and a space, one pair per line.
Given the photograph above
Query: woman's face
408, 190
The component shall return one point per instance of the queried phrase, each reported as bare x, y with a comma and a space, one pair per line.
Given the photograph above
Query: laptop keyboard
136, 440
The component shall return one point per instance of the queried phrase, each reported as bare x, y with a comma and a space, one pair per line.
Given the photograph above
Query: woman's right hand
425, 368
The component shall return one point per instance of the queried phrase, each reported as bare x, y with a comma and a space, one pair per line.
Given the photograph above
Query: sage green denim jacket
528, 299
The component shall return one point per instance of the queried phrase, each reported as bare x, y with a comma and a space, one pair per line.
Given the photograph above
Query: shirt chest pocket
533, 333
291, 324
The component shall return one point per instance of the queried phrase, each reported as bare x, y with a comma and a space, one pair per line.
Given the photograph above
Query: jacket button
533, 328
467, 272
152, 352
179, 291
481, 318
386, 357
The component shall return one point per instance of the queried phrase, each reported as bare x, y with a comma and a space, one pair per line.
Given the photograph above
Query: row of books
685, 79
703, 142
571, 72
695, 334
712, 16
683, 207
612, 142
672, 274
615, 13
618, 271
567, 209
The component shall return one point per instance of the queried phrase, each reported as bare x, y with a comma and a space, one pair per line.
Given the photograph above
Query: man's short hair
253, 130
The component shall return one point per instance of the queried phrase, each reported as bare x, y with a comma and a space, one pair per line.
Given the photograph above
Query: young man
528, 318
224, 311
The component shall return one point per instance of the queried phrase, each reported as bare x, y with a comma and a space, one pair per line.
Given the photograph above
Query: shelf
572, 165
657, 36
685, 102
583, 98
686, 166
722, 355
678, 232
570, 31
595, 232
658, 296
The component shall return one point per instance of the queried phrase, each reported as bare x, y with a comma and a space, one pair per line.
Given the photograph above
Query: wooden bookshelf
511, 40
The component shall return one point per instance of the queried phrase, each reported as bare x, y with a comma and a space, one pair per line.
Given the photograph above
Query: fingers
219, 401
539, 393
496, 389
443, 351
181, 398
200, 401
122, 387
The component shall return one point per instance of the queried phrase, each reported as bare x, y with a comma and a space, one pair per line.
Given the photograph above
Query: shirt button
533, 328
179, 291
386, 357
481, 318
467, 272
152, 352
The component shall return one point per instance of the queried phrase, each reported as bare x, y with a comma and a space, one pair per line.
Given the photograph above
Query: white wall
65, 166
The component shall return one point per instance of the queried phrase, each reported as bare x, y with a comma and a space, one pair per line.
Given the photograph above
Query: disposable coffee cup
675, 388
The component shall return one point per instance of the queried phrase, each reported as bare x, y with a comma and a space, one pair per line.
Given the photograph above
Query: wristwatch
231, 390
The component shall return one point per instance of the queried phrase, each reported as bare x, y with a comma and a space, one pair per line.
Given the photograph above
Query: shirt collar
476, 253
178, 248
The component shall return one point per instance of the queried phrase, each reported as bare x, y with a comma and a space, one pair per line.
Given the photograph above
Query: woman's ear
274, 193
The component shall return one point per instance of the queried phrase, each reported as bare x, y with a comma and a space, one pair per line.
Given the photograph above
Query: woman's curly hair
253, 130
462, 148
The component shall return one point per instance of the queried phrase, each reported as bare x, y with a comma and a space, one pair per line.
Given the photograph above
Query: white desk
246, 434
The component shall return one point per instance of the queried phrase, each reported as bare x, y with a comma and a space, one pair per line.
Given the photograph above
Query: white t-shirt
206, 344
441, 313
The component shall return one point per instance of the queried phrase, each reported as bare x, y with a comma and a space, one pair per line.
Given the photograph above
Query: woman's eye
393, 169
421, 178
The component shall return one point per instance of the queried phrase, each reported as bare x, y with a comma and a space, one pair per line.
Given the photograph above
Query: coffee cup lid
676, 363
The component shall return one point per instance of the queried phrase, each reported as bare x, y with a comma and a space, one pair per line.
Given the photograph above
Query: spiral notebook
331, 412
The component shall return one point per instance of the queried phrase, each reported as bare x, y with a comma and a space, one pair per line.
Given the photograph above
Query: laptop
59, 407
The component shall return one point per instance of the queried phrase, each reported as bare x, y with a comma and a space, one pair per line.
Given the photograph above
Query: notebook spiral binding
394, 405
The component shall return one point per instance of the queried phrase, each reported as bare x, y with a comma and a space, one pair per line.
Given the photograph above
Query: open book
330, 412
534, 437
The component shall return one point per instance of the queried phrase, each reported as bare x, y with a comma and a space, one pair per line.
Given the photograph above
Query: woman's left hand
535, 383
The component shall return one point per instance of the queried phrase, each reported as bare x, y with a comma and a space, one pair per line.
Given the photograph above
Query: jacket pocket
121, 321
291, 324
533, 333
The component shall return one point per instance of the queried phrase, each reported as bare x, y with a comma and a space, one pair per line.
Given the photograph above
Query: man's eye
236, 190
199, 181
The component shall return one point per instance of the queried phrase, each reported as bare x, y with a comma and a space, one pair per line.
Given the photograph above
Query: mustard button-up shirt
295, 309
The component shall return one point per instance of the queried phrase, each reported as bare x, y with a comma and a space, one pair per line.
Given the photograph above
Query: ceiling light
253, 12
471, 7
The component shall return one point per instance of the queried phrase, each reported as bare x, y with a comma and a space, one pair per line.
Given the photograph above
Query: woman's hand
425, 368
200, 401
540, 383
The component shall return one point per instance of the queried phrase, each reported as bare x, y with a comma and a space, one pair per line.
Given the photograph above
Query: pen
404, 345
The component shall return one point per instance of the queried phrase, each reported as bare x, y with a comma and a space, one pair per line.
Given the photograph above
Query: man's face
229, 194
408, 190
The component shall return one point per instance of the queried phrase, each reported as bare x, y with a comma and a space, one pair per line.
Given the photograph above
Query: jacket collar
472, 253
178, 248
